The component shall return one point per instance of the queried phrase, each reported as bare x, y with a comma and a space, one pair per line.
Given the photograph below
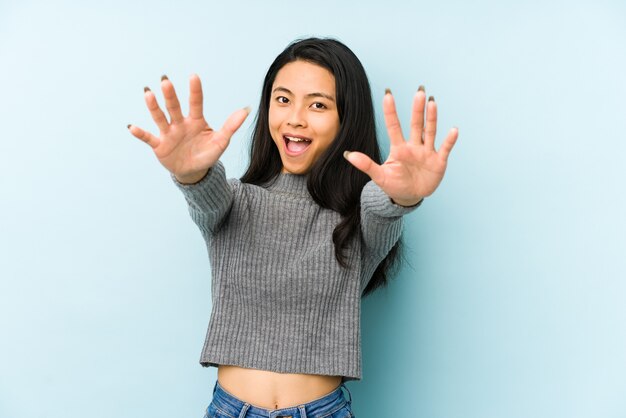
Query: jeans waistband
321, 407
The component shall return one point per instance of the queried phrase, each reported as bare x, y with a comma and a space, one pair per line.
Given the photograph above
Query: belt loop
244, 410
349, 394
302, 411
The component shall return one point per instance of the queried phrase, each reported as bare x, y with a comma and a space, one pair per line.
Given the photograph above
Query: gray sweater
280, 300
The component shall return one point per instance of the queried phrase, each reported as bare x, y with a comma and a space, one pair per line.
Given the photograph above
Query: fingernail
387, 91
421, 88
431, 99
164, 77
128, 126
345, 154
247, 109
145, 89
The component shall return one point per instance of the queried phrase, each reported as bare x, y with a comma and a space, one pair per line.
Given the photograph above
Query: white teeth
291, 138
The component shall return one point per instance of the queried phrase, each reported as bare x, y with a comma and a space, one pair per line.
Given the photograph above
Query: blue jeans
333, 405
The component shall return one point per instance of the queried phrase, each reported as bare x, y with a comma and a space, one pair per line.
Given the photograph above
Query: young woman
311, 227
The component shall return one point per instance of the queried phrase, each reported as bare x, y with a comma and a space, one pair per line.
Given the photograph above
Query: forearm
381, 218
209, 198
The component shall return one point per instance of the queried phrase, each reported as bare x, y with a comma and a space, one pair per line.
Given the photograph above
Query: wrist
191, 178
406, 203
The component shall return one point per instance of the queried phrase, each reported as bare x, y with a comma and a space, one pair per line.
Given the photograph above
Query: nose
297, 117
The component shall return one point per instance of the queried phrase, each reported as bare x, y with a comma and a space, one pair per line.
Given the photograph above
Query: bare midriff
271, 390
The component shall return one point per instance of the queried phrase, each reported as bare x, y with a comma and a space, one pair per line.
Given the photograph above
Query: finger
448, 143
431, 123
366, 165
171, 100
146, 137
195, 97
391, 119
417, 116
155, 111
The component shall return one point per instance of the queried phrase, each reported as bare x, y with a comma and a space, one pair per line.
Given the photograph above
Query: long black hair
332, 181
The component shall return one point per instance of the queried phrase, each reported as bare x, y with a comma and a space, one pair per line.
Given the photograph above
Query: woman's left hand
414, 168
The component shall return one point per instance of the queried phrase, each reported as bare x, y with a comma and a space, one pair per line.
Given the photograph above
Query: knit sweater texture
280, 300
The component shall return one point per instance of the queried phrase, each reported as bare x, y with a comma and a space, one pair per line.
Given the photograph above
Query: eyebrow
316, 94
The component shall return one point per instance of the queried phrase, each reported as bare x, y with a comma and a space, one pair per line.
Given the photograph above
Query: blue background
514, 304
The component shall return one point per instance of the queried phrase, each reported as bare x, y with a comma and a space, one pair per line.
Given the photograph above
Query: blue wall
514, 304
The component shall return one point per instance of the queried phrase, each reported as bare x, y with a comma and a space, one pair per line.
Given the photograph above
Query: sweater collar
293, 184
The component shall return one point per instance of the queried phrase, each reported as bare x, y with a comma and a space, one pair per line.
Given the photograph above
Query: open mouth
295, 145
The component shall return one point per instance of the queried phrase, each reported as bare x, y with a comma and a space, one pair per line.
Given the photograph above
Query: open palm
186, 146
414, 169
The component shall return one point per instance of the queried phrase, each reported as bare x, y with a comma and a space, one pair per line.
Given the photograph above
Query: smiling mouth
295, 145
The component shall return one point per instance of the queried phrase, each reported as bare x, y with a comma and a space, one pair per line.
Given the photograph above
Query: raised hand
414, 169
186, 146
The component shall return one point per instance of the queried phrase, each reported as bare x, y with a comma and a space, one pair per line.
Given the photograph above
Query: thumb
366, 165
234, 122
219, 140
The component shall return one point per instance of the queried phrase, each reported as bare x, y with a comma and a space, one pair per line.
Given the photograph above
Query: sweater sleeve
209, 199
381, 226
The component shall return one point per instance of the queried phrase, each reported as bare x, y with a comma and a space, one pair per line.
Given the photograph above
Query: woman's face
303, 116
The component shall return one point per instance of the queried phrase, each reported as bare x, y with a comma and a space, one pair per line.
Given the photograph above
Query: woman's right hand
186, 146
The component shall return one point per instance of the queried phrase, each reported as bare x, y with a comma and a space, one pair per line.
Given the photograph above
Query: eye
318, 105
282, 99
